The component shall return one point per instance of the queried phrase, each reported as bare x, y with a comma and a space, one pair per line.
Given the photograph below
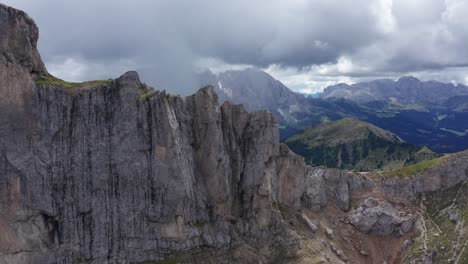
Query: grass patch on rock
415, 168
48, 80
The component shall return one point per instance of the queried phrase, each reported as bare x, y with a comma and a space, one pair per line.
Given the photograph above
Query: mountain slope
352, 144
457, 103
257, 90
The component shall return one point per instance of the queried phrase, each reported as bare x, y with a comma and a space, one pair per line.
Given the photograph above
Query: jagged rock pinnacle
18, 40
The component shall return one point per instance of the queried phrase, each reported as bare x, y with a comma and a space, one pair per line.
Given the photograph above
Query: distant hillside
406, 90
353, 144
457, 103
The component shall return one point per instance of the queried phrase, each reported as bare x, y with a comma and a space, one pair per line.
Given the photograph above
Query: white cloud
308, 80
216, 65
455, 12
79, 70
383, 12
315, 79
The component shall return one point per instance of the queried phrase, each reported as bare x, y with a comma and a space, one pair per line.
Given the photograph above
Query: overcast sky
307, 44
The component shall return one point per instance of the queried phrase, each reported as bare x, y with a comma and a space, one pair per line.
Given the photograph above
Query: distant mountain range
352, 144
431, 114
406, 90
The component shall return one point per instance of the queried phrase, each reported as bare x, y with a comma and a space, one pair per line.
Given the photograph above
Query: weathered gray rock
18, 40
315, 194
427, 260
406, 226
406, 244
453, 215
329, 232
379, 217
310, 224
323, 186
447, 174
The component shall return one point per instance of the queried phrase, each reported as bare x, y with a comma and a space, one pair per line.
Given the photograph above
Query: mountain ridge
406, 89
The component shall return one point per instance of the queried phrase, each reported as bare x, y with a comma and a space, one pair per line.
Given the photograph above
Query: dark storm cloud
162, 39
295, 33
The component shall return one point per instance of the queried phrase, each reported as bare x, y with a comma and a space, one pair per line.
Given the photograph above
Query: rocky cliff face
115, 172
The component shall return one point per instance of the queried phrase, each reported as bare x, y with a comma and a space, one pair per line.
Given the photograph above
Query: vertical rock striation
115, 172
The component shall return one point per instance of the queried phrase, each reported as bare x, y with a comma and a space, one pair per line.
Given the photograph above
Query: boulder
379, 217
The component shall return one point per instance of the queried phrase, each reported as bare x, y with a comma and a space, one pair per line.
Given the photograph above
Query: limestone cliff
112, 171
116, 172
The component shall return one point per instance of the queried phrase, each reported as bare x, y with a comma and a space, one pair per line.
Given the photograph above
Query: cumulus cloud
307, 44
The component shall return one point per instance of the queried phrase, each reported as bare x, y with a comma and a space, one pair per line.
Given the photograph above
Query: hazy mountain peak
406, 89
256, 90
408, 79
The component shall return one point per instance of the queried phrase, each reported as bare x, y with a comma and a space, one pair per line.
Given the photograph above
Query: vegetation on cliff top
415, 168
147, 92
52, 81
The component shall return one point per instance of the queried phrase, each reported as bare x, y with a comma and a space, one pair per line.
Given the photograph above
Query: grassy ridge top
342, 131
52, 81
415, 168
